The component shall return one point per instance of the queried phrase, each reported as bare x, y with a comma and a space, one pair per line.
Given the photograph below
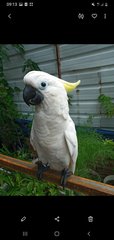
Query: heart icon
94, 15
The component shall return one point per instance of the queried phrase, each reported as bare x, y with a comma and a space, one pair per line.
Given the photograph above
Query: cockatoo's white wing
72, 144
32, 139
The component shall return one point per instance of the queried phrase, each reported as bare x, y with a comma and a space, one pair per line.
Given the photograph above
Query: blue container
106, 133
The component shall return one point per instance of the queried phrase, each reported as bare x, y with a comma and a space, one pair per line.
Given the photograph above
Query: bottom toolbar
56, 218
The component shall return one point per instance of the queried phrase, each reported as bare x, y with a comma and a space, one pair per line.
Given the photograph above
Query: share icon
57, 219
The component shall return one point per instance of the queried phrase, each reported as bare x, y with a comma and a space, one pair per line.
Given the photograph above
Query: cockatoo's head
38, 84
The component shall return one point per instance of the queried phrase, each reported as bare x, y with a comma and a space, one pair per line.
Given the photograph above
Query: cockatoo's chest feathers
53, 108
51, 117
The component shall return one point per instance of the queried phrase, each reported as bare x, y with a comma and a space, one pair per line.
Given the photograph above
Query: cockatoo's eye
43, 85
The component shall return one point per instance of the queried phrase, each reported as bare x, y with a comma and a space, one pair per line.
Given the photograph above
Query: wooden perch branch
82, 185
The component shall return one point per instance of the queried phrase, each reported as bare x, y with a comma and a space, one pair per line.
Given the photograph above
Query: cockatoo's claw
41, 168
64, 175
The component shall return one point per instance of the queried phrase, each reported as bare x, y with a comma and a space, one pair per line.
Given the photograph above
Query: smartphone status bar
19, 4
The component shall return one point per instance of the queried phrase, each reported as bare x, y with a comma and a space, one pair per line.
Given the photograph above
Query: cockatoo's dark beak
32, 96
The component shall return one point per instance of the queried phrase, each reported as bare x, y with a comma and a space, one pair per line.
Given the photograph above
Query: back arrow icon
9, 15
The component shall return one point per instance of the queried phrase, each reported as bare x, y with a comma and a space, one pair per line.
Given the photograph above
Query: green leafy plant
30, 65
89, 122
107, 105
9, 130
19, 184
109, 141
19, 48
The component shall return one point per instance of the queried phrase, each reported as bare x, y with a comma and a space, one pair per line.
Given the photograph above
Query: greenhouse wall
93, 64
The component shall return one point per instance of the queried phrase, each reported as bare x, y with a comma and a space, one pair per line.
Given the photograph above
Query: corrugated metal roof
93, 64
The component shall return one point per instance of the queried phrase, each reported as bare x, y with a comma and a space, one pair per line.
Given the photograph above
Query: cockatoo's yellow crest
70, 86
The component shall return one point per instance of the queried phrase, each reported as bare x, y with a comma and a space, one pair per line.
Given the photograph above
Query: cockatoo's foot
64, 175
41, 168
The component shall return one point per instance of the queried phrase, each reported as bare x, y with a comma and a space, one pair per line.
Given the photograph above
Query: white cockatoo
53, 135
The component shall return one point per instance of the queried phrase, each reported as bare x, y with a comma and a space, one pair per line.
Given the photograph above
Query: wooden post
58, 60
79, 184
